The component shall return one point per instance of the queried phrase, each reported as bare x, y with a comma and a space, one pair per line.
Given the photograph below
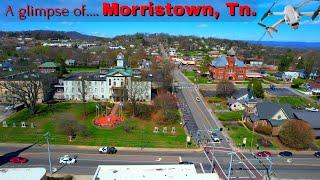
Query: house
146, 64
235, 105
313, 118
49, 67
172, 52
70, 62
117, 84
269, 114
314, 74
6, 66
314, 88
289, 76
228, 68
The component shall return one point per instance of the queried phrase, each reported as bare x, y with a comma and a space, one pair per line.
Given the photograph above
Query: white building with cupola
117, 83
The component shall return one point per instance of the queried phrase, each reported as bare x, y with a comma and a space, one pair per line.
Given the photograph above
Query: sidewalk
97, 147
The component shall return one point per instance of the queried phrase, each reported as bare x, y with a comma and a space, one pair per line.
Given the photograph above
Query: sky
309, 31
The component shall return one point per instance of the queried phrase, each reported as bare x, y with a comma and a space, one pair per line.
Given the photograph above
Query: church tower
121, 63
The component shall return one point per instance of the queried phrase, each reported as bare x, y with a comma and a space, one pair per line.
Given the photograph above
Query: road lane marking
180, 159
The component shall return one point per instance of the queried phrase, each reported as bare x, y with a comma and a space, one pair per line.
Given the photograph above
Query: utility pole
270, 167
47, 136
230, 164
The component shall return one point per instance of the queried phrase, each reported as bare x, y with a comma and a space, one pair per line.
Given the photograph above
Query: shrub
263, 129
264, 142
72, 128
296, 83
296, 134
128, 126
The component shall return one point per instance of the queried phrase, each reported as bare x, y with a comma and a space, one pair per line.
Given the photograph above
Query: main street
217, 153
88, 158
244, 165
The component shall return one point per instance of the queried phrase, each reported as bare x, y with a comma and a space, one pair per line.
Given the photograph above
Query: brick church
228, 68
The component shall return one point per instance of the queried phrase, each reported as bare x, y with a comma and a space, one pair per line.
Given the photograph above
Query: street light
230, 164
47, 136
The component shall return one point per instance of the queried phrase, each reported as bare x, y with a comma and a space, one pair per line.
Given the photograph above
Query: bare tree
83, 93
225, 88
136, 92
25, 88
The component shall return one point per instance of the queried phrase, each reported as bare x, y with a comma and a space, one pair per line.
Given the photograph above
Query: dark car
185, 162
285, 153
108, 150
264, 154
18, 160
317, 154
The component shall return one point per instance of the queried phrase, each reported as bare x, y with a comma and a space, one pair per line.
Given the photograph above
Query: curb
97, 147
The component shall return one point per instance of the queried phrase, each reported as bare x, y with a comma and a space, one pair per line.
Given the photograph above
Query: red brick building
228, 68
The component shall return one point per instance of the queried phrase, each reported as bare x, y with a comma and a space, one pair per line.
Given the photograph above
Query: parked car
312, 109
285, 153
185, 162
264, 154
8, 108
317, 154
18, 160
66, 159
108, 150
197, 99
216, 140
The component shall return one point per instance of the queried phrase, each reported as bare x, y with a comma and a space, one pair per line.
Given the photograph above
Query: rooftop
49, 65
222, 62
154, 172
22, 173
88, 76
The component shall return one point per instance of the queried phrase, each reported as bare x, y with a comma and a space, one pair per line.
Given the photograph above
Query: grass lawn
215, 99
191, 75
81, 69
47, 119
230, 116
294, 101
238, 133
272, 79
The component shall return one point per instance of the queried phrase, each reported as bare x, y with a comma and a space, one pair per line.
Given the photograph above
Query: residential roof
88, 76
222, 62
49, 65
313, 118
240, 93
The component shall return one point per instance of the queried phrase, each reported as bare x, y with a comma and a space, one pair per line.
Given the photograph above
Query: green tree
296, 134
296, 83
257, 88
60, 59
204, 65
286, 60
300, 64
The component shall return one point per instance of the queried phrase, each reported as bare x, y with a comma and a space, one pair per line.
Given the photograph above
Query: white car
197, 99
66, 159
312, 109
216, 140
8, 108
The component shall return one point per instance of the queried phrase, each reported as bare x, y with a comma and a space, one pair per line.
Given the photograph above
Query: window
114, 83
121, 83
102, 96
109, 82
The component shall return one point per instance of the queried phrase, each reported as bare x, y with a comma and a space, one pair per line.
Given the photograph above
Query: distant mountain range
45, 34
293, 45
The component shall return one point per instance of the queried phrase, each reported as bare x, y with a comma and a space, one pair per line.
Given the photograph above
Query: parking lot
279, 92
4, 113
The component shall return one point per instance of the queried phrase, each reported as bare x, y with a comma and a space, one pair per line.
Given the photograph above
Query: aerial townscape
167, 98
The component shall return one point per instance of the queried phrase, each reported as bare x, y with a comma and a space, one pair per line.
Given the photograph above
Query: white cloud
310, 22
202, 26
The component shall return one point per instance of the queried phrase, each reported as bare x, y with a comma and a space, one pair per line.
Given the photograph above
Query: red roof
110, 120
315, 85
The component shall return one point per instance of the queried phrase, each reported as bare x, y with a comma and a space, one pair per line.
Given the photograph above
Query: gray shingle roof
88, 76
313, 118
222, 62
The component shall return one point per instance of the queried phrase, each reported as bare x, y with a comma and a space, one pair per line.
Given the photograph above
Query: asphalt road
217, 153
244, 165
88, 158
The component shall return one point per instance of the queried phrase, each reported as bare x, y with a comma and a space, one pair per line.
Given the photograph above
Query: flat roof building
154, 172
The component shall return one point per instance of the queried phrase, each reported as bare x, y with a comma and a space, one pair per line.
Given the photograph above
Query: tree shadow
6, 157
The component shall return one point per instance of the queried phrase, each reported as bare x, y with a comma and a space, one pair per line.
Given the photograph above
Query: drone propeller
268, 12
315, 14
269, 30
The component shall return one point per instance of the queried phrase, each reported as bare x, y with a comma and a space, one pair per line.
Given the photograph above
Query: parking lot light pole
230, 164
47, 136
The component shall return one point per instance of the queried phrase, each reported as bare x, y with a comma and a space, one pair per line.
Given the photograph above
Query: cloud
308, 22
202, 26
